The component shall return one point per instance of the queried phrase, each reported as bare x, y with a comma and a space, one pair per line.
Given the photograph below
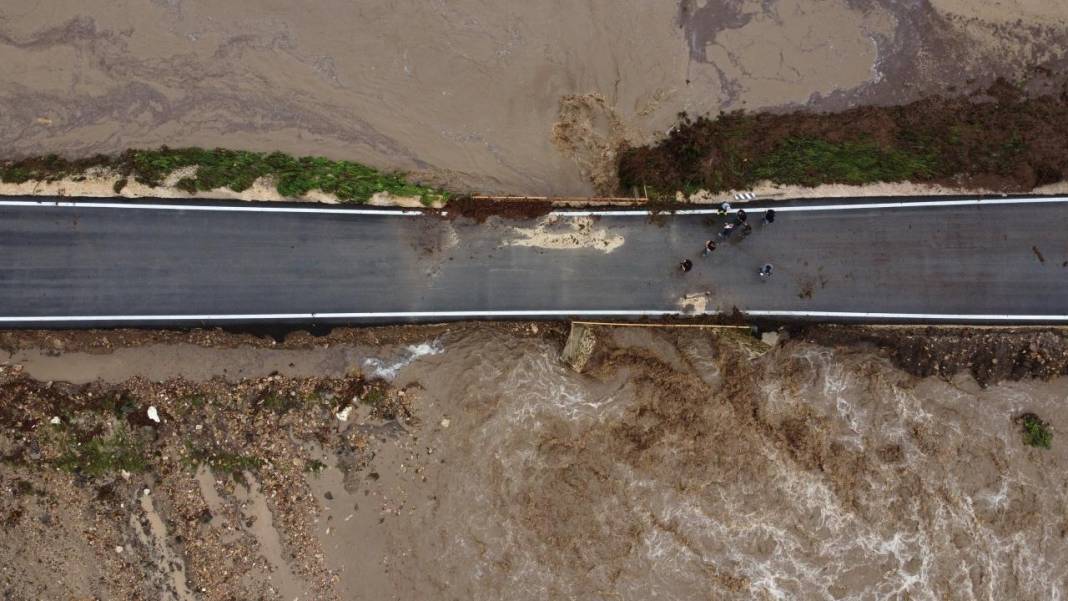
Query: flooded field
682, 464
515, 97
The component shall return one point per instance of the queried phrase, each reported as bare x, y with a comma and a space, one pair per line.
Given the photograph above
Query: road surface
108, 263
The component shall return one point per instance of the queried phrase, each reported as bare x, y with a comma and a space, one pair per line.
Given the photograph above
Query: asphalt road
79, 265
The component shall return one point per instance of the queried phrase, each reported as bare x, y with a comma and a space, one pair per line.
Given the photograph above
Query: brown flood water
512, 96
682, 469
685, 466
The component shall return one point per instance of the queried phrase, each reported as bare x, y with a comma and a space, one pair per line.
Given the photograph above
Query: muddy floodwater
679, 465
511, 96
683, 469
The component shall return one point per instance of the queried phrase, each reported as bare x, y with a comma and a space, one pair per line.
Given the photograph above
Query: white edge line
566, 213
835, 207
305, 316
907, 316
531, 313
210, 208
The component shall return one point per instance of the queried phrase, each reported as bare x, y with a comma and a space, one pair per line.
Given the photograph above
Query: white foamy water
387, 368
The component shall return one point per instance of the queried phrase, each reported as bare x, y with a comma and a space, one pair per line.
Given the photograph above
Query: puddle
174, 586
261, 524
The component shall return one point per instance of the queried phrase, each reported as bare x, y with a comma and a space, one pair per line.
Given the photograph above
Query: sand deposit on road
562, 232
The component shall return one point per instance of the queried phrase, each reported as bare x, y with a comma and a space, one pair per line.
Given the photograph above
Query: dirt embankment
481, 210
106, 341
989, 355
999, 139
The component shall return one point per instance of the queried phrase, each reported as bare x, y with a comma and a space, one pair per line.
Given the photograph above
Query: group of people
740, 223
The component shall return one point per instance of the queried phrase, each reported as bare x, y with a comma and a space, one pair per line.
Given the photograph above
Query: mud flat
683, 462
517, 97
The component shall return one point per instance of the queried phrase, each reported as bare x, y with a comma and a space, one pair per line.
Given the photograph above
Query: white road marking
528, 313
908, 316
836, 207
566, 213
206, 207
312, 316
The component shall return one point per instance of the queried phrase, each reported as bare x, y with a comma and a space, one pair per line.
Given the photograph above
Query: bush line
232, 169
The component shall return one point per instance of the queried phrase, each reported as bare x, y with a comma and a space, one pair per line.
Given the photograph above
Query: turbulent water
680, 465
688, 467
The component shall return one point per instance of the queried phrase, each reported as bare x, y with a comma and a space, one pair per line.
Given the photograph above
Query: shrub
1036, 432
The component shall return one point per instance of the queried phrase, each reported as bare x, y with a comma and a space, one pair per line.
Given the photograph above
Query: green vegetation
104, 454
50, 167
314, 466
373, 397
232, 169
1013, 143
222, 462
194, 400
237, 170
1036, 432
810, 162
280, 403
232, 463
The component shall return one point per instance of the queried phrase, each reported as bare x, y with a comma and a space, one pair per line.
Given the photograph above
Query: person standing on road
686, 265
742, 217
765, 272
769, 216
746, 230
726, 232
710, 245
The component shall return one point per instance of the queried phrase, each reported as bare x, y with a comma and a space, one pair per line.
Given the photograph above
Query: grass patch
104, 454
232, 169
280, 402
314, 466
194, 400
293, 176
373, 397
810, 162
232, 463
1036, 432
222, 462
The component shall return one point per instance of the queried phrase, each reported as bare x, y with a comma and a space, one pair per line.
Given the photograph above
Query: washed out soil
101, 437
481, 210
105, 341
989, 355
999, 139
